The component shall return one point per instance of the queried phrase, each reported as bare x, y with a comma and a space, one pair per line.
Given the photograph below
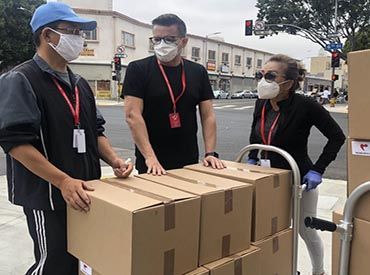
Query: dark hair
294, 69
37, 33
169, 20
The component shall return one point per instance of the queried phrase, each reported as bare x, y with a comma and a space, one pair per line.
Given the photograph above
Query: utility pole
335, 31
205, 48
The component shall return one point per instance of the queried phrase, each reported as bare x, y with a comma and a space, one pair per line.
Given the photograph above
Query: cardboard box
271, 199
358, 156
358, 94
85, 269
360, 250
247, 262
136, 227
226, 210
277, 253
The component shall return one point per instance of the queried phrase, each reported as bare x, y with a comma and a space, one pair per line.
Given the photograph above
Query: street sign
121, 49
263, 32
333, 35
259, 26
334, 46
121, 55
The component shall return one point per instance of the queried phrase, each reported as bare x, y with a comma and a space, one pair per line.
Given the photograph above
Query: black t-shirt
176, 147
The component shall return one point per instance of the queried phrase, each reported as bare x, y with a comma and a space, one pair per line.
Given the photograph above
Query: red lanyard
75, 111
183, 80
262, 129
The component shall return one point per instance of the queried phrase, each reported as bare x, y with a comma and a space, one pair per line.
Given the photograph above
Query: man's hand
121, 168
75, 195
154, 167
214, 162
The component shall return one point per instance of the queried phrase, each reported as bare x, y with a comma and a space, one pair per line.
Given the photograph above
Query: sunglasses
166, 39
71, 31
269, 76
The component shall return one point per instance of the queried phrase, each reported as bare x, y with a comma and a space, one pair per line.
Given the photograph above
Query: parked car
250, 94
238, 94
244, 94
221, 94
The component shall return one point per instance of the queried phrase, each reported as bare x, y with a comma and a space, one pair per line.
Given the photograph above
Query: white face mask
166, 52
268, 90
69, 47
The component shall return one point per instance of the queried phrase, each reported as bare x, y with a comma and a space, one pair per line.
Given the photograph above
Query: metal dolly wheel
297, 191
344, 228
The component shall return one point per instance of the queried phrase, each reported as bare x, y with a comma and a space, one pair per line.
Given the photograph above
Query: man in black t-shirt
162, 93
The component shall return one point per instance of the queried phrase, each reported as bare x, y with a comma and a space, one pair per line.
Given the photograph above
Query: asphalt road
234, 118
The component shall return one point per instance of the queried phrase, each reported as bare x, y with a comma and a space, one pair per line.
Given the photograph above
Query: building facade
230, 67
321, 68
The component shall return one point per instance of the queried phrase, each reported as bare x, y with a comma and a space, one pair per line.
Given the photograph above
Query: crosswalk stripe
225, 106
243, 108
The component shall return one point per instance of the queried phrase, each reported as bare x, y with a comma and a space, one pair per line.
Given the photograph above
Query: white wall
90, 4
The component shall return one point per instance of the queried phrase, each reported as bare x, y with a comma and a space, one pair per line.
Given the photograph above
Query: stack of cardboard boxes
192, 221
271, 215
358, 161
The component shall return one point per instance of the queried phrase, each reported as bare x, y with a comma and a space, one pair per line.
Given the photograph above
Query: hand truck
344, 228
296, 194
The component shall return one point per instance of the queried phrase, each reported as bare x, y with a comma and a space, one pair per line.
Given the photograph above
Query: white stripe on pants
310, 236
41, 236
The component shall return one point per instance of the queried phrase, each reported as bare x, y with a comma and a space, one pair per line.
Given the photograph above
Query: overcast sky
203, 17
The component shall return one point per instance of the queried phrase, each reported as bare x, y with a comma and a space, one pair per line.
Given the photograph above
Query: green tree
317, 17
361, 41
15, 32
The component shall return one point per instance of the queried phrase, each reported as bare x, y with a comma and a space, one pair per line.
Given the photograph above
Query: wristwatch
213, 154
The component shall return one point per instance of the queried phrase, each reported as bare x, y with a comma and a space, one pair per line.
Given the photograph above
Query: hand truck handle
320, 224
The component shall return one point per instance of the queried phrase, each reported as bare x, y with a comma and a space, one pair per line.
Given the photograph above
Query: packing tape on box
275, 176
200, 182
225, 250
169, 262
238, 266
229, 201
169, 205
274, 225
136, 190
275, 245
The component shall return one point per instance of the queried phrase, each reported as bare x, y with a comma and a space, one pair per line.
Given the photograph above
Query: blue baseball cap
57, 11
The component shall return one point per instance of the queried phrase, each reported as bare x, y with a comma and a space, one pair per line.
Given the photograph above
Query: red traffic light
117, 63
334, 77
248, 27
335, 59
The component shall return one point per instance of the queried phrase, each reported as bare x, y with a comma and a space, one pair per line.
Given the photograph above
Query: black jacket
32, 111
298, 115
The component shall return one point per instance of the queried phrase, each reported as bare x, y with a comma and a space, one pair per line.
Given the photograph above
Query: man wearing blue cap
53, 136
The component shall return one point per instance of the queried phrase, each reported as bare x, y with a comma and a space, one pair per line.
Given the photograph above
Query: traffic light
248, 27
117, 63
334, 77
335, 60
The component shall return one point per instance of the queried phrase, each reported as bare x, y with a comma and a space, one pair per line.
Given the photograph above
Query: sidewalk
16, 246
339, 108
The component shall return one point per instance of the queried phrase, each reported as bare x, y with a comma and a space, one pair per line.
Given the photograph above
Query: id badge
81, 141
265, 163
175, 121
75, 134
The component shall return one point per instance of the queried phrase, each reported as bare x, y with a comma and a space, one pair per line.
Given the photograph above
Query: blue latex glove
312, 179
252, 161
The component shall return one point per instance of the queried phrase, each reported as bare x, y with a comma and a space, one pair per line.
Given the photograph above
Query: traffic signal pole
335, 31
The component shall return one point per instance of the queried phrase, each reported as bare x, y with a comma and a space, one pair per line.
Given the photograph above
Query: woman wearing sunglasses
284, 119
